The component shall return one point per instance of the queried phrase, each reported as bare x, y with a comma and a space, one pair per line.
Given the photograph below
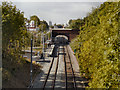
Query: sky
57, 11
56, 0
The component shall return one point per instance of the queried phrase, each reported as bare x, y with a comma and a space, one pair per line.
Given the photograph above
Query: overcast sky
56, 0
57, 12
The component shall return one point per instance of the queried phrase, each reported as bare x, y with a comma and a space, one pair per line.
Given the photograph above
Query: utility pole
43, 44
31, 66
33, 39
43, 48
51, 35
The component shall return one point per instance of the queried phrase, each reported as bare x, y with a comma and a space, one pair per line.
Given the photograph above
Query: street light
51, 35
31, 65
43, 48
31, 60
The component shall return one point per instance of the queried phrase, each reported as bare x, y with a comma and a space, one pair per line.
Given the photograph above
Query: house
31, 26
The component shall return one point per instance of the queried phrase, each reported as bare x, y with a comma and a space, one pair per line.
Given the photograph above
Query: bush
97, 47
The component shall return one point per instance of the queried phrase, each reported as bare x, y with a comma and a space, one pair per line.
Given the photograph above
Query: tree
97, 46
36, 19
76, 24
43, 26
59, 26
13, 27
70, 21
0, 31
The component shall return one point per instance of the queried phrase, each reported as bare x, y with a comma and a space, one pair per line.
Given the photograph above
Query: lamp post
51, 35
31, 60
43, 48
43, 56
31, 65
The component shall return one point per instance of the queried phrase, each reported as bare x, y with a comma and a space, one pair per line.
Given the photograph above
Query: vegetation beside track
96, 47
15, 69
16, 72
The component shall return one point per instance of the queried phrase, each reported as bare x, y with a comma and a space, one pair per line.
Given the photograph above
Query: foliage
36, 19
75, 24
59, 26
43, 26
13, 27
14, 37
13, 30
97, 47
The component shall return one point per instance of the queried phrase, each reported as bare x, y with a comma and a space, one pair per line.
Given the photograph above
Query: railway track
53, 83
69, 80
69, 72
65, 69
53, 86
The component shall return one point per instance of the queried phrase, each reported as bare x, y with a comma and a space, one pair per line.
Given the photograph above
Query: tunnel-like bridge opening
61, 39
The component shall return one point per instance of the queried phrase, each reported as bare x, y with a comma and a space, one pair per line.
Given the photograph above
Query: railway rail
53, 86
70, 76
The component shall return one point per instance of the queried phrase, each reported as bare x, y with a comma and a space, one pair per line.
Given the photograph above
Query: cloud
57, 12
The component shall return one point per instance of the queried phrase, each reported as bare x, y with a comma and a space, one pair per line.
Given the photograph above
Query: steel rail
53, 86
65, 69
74, 81
48, 73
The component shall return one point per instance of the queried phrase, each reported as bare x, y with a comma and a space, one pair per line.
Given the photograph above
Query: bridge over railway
70, 33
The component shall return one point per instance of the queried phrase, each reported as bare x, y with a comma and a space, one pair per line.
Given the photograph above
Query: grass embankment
16, 72
97, 46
